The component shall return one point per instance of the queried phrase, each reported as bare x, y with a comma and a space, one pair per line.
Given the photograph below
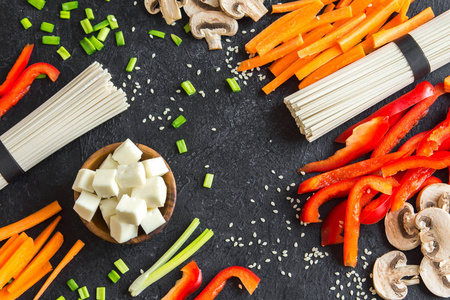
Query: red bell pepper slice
438, 160
247, 277
353, 211
445, 145
20, 65
394, 109
351, 171
23, 83
364, 138
406, 123
434, 138
189, 283
375, 210
447, 84
413, 142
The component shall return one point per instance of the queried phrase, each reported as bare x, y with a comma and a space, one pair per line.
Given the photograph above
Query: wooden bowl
98, 225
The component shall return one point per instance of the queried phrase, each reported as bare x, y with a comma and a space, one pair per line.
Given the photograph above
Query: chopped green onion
114, 276
70, 5
73, 286
131, 64
64, 14
89, 13
103, 34
234, 85
187, 28
83, 292
26, 23
208, 180
176, 39
41, 76
100, 294
157, 33
61, 298
97, 44
136, 286
47, 27
101, 25
188, 88
87, 27
87, 46
39, 4
63, 53
112, 22
181, 145
50, 40
180, 120
121, 266
119, 38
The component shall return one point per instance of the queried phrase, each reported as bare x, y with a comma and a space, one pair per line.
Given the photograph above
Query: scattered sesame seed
213, 129
199, 72
216, 90
280, 177
230, 225
152, 91
262, 220
253, 222
251, 200
145, 120
124, 84
275, 211
161, 128
189, 65
272, 171
266, 187
267, 260
153, 55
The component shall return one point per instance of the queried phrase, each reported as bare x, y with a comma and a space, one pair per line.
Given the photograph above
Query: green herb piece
120, 39
234, 85
63, 53
61, 298
181, 145
131, 64
73, 286
26, 23
100, 293
176, 39
188, 88
121, 266
101, 25
208, 180
87, 27
180, 120
87, 46
103, 34
50, 40
47, 27
64, 14
39, 4
41, 76
97, 44
157, 33
89, 13
112, 22
83, 292
187, 28
70, 5
114, 276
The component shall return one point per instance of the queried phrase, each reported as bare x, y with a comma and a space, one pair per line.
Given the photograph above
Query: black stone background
255, 134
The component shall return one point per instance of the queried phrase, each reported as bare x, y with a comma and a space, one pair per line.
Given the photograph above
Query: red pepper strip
438, 160
248, 278
364, 138
445, 145
420, 92
189, 283
375, 210
20, 65
447, 84
23, 83
406, 123
413, 142
434, 138
353, 211
351, 171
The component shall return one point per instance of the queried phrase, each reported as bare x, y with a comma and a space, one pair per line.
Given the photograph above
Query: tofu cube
120, 231
124, 192
108, 208
131, 210
105, 184
86, 205
129, 176
127, 153
84, 180
152, 220
154, 192
109, 163
155, 167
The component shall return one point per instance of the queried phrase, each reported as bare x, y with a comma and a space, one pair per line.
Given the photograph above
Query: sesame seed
275, 211
199, 72
266, 187
216, 90
251, 200
153, 55
230, 225
280, 177
262, 220
161, 128
267, 260
213, 129
124, 84
189, 65
145, 120
283, 273
253, 222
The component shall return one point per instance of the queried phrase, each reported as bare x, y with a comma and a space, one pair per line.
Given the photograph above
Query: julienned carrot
383, 37
403, 10
38, 262
43, 237
397, 20
329, 8
8, 252
8, 243
69, 256
30, 221
290, 6
333, 65
331, 39
318, 61
343, 3
358, 7
16, 262
377, 28
447, 84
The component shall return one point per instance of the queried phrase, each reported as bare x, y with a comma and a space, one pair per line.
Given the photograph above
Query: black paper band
9, 168
417, 60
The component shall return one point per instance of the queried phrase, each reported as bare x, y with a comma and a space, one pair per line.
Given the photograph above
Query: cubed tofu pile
128, 192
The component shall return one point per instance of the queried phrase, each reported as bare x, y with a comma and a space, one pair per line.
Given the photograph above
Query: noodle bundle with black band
84, 103
328, 103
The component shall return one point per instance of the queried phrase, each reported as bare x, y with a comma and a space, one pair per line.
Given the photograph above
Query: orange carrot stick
16, 262
329, 8
343, 3
447, 84
383, 37
358, 7
318, 61
42, 238
397, 20
294, 5
30, 221
69, 256
8, 252
404, 10
8, 243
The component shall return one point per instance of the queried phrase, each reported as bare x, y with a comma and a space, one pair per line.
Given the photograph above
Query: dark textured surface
255, 134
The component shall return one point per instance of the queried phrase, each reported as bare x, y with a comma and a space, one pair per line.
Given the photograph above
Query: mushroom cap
194, 6
400, 228
152, 6
434, 224
237, 9
435, 277
444, 202
429, 196
213, 3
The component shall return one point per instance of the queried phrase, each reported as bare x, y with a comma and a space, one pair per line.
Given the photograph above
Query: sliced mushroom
237, 9
211, 25
194, 6
430, 195
170, 9
213, 3
444, 202
436, 276
388, 272
152, 6
401, 229
433, 224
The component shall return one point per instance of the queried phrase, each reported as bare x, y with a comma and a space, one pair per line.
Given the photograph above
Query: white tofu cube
124, 192
152, 220
105, 184
108, 208
131, 210
155, 167
127, 153
154, 192
109, 163
122, 232
129, 176
84, 180
86, 205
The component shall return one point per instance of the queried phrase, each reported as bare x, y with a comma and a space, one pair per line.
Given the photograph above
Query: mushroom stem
406, 271
412, 281
255, 9
170, 10
409, 224
213, 39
